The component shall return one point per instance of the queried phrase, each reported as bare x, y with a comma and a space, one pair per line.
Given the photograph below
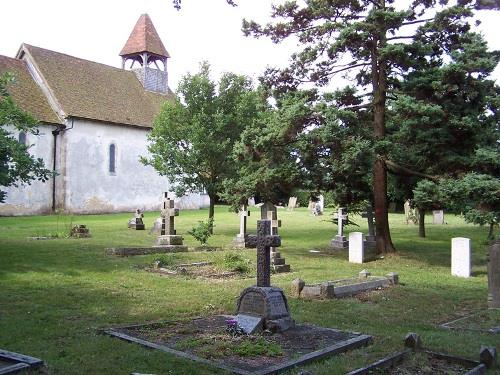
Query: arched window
112, 158
22, 138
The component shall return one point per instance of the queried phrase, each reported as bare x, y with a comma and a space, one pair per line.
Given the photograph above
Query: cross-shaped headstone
244, 213
263, 241
270, 212
342, 219
369, 215
167, 216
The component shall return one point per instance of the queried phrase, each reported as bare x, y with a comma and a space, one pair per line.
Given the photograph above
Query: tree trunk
379, 84
211, 211
490, 232
421, 222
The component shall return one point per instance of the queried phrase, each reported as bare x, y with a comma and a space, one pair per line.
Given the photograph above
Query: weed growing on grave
257, 346
166, 260
234, 262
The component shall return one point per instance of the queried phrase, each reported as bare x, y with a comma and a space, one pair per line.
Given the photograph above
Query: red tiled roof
91, 90
25, 92
144, 38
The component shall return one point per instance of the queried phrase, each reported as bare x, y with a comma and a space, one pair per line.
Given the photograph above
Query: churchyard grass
56, 294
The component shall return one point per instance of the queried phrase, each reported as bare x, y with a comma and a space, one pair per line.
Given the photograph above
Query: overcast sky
202, 30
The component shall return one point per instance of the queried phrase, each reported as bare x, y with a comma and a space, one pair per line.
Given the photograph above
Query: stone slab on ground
13, 363
130, 251
486, 321
299, 345
344, 287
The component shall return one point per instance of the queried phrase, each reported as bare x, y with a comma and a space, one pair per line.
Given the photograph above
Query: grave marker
356, 247
292, 203
370, 239
240, 238
438, 217
268, 211
461, 257
168, 236
263, 300
340, 241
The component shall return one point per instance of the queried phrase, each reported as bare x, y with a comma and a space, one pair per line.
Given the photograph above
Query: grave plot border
24, 362
349, 344
477, 368
448, 325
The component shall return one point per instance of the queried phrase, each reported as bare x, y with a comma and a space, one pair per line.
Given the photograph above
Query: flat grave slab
486, 321
344, 287
13, 363
206, 340
131, 251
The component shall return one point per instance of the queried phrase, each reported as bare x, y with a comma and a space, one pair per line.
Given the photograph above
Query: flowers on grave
233, 328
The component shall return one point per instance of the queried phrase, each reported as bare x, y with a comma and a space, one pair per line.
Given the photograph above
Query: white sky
203, 30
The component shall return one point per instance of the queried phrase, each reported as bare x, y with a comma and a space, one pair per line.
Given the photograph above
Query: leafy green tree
17, 166
426, 196
194, 134
374, 44
476, 196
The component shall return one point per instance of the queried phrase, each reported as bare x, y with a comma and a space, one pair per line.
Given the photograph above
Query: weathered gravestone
268, 211
136, 222
340, 241
80, 231
266, 304
370, 239
292, 203
494, 276
411, 214
461, 257
356, 248
438, 217
168, 236
240, 238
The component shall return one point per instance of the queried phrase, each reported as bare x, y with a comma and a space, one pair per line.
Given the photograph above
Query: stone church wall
36, 198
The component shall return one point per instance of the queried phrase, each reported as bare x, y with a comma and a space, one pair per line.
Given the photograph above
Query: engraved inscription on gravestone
253, 303
277, 305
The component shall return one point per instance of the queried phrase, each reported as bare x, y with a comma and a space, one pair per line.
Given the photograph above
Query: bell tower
145, 47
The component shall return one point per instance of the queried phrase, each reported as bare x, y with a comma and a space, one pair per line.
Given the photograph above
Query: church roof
144, 38
86, 89
25, 92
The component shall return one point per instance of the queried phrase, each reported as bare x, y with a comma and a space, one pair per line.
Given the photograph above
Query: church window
22, 138
112, 158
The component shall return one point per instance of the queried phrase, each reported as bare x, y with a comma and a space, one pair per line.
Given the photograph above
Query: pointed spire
144, 38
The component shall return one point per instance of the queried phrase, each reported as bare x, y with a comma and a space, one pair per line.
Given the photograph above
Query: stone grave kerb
168, 212
263, 241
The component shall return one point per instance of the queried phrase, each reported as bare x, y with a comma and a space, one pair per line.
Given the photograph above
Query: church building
94, 121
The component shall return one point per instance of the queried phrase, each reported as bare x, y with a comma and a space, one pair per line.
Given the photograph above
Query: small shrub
165, 260
202, 231
236, 263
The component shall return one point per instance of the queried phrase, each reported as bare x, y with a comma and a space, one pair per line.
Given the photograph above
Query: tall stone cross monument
268, 211
240, 240
370, 239
168, 237
340, 241
263, 306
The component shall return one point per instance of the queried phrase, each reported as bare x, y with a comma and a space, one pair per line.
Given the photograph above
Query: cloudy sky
203, 30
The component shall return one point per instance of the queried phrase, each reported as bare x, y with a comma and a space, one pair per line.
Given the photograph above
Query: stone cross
263, 241
269, 212
167, 216
244, 213
341, 217
368, 215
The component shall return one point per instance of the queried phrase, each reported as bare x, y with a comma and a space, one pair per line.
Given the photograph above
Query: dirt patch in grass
207, 338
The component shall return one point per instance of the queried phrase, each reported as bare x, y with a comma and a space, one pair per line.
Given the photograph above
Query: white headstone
461, 257
438, 217
356, 247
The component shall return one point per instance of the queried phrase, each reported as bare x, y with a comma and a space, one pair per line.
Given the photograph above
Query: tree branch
396, 168
401, 37
418, 21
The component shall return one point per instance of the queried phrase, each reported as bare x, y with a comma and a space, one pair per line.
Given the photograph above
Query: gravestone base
169, 240
370, 241
239, 242
339, 243
278, 263
268, 303
140, 227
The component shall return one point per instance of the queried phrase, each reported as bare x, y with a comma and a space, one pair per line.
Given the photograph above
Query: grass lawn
55, 294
